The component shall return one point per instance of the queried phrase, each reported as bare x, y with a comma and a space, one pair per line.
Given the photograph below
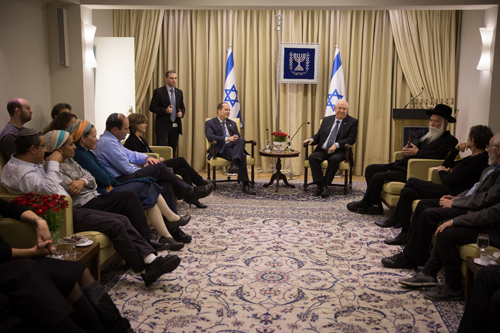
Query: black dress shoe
174, 245
180, 236
353, 206
397, 261
248, 190
233, 169
205, 182
181, 222
160, 266
392, 221
443, 293
371, 210
318, 191
158, 246
419, 280
198, 193
199, 204
324, 192
400, 239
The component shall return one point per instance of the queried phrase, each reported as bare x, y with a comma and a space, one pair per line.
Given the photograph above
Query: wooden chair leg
214, 177
305, 179
346, 175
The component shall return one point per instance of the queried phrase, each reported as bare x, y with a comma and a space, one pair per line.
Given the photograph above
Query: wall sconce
89, 33
485, 60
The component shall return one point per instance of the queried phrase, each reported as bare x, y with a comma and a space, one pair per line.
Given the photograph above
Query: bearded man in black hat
434, 145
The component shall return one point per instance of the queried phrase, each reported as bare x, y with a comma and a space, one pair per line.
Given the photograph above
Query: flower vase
56, 237
279, 146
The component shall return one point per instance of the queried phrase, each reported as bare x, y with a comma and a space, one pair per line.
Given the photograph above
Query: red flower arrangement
50, 207
280, 136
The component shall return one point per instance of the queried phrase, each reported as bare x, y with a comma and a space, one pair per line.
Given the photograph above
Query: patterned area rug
280, 262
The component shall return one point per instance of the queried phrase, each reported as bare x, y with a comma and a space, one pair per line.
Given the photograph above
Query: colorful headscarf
55, 139
78, 129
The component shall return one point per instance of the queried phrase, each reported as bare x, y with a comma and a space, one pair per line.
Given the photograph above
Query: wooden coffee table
90, 256
278, 175
472, 270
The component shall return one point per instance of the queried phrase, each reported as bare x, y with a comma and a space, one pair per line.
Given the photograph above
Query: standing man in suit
335, 132
230, 145
168, 104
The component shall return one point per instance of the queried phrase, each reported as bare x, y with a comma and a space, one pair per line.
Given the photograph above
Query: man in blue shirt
117, 159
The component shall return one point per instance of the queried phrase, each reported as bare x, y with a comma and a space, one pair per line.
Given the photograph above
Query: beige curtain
193, 42
427, 46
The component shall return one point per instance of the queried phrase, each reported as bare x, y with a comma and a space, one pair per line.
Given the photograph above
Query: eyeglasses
40, 146
488, 146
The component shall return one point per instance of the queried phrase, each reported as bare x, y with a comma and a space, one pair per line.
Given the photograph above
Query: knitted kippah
55, 139
28, 132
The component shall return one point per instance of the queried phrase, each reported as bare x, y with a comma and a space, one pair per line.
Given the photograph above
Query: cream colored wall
67, 82
24, 59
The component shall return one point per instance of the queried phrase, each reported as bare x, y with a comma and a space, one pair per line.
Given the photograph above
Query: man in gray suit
458, 231
484, 194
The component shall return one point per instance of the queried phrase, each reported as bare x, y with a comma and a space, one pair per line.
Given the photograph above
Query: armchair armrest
23, 235
419, 167
164, 151
433, 176
398, 155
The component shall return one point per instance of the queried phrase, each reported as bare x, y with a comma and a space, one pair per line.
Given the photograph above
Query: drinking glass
483, 241
268, 145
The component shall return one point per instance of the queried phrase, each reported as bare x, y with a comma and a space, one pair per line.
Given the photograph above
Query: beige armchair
417, 168
216, 162
23, 235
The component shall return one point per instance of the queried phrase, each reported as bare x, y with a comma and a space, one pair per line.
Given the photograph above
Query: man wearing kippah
20, 113
25, 173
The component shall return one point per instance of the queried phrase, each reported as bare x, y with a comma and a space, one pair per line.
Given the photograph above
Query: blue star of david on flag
229, 93
332, 95
336, 90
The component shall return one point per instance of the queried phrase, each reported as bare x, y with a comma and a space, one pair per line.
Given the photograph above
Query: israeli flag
337, 85
230, 91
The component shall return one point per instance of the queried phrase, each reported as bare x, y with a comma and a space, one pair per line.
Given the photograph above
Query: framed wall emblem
299, 63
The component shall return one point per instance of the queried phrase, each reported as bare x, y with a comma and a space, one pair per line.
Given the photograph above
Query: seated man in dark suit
230, 144
335, 132
434, 145
458, 231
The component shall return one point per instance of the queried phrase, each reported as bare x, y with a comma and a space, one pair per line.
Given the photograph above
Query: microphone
411, 100
299, 129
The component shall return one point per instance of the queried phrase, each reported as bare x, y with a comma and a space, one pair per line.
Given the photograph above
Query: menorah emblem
299, 58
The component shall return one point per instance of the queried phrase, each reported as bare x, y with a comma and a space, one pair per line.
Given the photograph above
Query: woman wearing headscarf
82, 187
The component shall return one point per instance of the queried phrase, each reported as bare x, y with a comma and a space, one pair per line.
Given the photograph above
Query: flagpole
279, 18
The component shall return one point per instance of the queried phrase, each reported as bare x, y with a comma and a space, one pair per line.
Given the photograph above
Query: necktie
173, 115
333, 135
224, 133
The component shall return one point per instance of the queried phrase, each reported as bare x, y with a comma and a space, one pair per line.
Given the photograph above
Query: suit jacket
213, 132
346, 134
484, 207
159, 104
486, 194
134, 143
437, 149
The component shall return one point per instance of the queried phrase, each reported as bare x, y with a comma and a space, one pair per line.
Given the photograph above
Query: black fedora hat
444, 111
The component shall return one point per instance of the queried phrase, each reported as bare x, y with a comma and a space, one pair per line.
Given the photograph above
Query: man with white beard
434, 145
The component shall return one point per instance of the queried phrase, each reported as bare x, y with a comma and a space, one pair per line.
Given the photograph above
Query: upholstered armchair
345, 167
215, 162
417, 168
